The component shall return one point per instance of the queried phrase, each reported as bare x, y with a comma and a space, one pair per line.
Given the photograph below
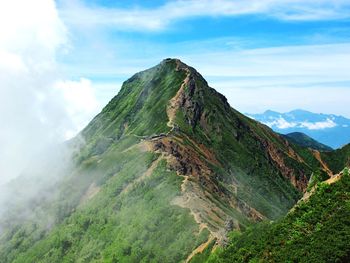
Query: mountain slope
338, 158
328, 129
166, 167
316, 230
306, 141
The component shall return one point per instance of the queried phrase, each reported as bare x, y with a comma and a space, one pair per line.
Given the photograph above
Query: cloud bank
33, 97
282, 123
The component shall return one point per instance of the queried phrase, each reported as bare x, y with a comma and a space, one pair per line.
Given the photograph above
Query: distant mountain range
328, 129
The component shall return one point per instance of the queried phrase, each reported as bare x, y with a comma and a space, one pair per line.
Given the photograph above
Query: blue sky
254, 52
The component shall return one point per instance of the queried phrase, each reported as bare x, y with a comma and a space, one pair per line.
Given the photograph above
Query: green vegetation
337, 159
201, 257
317, 230
138, 225
316, 177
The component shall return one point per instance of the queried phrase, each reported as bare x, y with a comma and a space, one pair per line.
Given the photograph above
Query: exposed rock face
297, 178
194, 161
200, 185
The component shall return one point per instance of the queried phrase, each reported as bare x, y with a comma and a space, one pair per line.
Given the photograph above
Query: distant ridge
306, 141
328, 129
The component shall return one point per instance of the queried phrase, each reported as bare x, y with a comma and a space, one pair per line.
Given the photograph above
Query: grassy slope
115, 226
337, 159
318, 230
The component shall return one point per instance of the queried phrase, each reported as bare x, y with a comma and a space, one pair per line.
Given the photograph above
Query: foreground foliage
317, 230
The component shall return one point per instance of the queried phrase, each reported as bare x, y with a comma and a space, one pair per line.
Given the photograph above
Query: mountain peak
170, 164
177, 61
157, 94
167, 60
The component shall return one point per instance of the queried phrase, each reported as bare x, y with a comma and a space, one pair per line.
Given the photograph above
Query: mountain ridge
303, 140
166, 168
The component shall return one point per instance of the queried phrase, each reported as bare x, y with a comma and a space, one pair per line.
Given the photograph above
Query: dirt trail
333, 179
174, 103
199, 249
193, 198
308, 194
323, 164
201, 208
187, 200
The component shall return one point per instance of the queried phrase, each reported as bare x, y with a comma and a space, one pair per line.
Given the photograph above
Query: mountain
166, 170
306, 141
316, 230
329, 129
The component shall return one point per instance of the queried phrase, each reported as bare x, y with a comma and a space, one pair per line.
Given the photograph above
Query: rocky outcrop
297, 178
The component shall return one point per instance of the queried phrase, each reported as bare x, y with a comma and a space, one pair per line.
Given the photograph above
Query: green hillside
303, 140
316, 230
167, 168
338, 158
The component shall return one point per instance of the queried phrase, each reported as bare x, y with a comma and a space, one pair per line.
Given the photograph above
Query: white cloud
34, 114
281, 123
320, 125
140, 19
315, 62
80, 102
284, 99
31, 30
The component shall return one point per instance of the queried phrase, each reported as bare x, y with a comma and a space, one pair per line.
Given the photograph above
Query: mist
37, 112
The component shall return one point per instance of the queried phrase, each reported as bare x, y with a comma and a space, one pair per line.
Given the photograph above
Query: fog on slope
33, 98
33, 105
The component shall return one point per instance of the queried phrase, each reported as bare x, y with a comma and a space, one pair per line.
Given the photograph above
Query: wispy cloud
320, 61
319, 125
159, 18
281, 123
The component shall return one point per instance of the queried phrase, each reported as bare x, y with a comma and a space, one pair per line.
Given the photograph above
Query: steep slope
316, 230
338, 158
306, 141
166, 167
